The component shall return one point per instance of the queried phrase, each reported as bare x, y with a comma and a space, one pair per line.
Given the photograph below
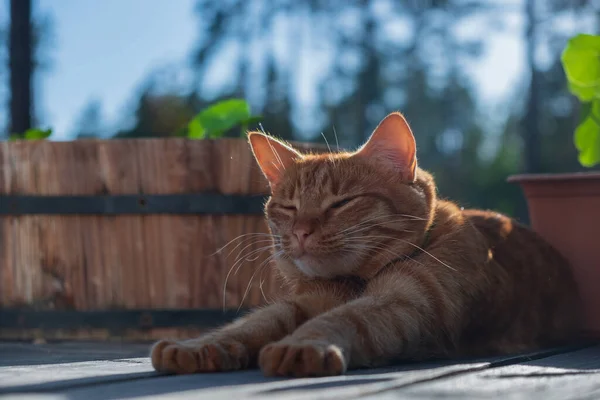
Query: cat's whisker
252, 258
331, 156
276, 167
337, 143
260, 268
358, 228
249, 257
326, 142
404, 218
413, 245
395, 255
364, 228
428, 253
242, 253
362, 223
261, 249
240, 237
276, 154
260, 286
395, 215
249, 245
247, 290
409, 257
262, 129
374, 222
370, 246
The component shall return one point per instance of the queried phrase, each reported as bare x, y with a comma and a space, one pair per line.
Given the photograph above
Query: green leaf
584, 110
255, 119
581, 62
217, 119
37, 134
587, 137
196, 130
31, 134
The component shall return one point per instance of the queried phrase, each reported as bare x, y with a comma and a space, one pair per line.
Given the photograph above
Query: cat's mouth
308, 266
324, 265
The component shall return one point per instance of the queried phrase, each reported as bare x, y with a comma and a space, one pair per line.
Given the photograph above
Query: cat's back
513, 241
522, 253
514, 244
534, 282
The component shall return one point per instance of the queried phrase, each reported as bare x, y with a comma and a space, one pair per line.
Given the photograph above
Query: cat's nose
302, 233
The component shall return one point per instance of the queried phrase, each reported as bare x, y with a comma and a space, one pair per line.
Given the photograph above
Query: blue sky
104, 49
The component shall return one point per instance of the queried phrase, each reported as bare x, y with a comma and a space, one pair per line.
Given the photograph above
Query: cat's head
346, 213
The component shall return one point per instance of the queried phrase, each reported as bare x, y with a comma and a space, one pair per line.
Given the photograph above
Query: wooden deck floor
92, 371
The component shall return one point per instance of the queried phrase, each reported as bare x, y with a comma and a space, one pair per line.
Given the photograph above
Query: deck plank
571, 375
245, 384
25, 366
113, 371
23, 353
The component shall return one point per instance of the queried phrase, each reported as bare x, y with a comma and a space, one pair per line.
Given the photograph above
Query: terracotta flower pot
565, 210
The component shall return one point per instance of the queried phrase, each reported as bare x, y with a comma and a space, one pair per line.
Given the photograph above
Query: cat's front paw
301, 358
199, 356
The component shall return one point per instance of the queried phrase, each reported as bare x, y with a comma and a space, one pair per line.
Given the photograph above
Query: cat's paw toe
302, 358
173, 357
189, 358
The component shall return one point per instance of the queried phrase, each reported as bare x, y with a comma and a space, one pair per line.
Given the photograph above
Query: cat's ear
272, 156
393, 144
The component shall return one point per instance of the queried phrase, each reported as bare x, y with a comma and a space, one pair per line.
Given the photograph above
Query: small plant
216, 120
32, 134
581, 62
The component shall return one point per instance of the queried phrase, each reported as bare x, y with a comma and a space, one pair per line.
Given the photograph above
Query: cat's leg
398, 314
236, 346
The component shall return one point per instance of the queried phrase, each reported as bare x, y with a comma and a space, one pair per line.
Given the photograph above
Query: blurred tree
159, 115
163, 105
3, 71
90, 122
21, 66
531, 121
29, 38
285, 38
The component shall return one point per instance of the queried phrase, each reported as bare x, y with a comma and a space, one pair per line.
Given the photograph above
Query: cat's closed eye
340, 203
289, 207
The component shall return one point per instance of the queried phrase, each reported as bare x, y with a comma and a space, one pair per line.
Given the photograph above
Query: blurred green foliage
581, 61
216, 120
32, 134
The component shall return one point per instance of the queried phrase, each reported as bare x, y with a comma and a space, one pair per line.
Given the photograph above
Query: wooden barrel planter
104, 238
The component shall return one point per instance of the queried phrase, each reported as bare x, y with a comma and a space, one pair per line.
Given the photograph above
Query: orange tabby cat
380, 269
